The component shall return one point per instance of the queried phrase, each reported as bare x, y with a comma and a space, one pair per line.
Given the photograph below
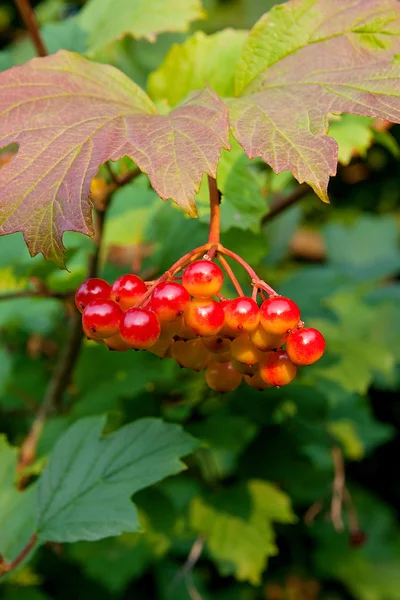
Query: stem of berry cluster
215, 211
6, 567
228, 270
29, 19
256, 282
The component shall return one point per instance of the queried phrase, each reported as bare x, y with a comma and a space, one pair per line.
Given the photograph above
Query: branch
227, 268
29, 19
35, 294
215, 212
6, 567
339, 483
193, 557
281, 203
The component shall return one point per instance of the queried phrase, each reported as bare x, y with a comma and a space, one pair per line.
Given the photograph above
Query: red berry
242, 314
127, 290
92, 289
204, 317
305, 346
140, 328
277, 369
222, 377
190, 355
203, 279
279, 315
169, 300
101, 319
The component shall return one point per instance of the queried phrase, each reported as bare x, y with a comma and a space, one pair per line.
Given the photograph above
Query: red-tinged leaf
69, 115
304, 60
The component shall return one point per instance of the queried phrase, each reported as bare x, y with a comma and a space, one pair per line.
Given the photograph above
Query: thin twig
339, 482
35, 294
312, 512
29, 19
7, 567
281, 203
228, 270
193, 557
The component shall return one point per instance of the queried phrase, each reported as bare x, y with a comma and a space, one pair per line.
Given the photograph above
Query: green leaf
200, 60
108, 116
244, 514
84, 492
16, 508
353, 135
110, 20
308, 58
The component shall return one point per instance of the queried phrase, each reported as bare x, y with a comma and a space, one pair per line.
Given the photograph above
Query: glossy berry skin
169, 300
202, 279
115, 342
242, 314
222, 377
91, 289
217, 345
243, 368
256, 382
101, 319
244, 351
265, 341
190, 355
140, 328
204, 317
226, 331
277, 369
305, 346
279, 315
127, 290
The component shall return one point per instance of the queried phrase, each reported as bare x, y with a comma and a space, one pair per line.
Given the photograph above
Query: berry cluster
185, 318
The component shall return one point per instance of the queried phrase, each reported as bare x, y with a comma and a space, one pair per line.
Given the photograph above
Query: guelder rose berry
279, 315
101, 319
169, 300
242, 314
140, 328
127, 290
305, 346
222, 377
202, 279
277, 369
204, 317
91, 289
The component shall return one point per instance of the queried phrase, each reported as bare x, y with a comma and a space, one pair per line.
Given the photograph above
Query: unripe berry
242, 314
140, 328
185, 332
256, 382
244, 351
101, 319
169, 300
216, 344
243, 368
127, 290
91, 289
222, 377
264, 341
224, 357
204, 317
115, 342
162, 348
202, 279
277, 369
279, 315
190, 354
305, 346
171, 328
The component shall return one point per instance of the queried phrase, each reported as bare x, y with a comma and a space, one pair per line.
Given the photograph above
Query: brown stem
227, 268
215, 211
255, 280
339, 482
29, 19
281, 203
6, 567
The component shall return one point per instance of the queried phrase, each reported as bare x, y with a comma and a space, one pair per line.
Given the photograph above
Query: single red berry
305, 346
127, 290
226, 331
279, 315
140, 328
91, 289
242, 314
277, 369
357, 539
222, 377
202, 279
169, 300
101, 319
204, 317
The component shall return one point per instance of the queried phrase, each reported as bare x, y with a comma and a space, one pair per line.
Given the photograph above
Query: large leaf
109, 20
238, 526
16, 508
308, 58
69, 116
199, 60
84, 492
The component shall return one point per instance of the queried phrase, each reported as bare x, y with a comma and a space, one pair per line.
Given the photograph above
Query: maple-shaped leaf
304, 60
69, 116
